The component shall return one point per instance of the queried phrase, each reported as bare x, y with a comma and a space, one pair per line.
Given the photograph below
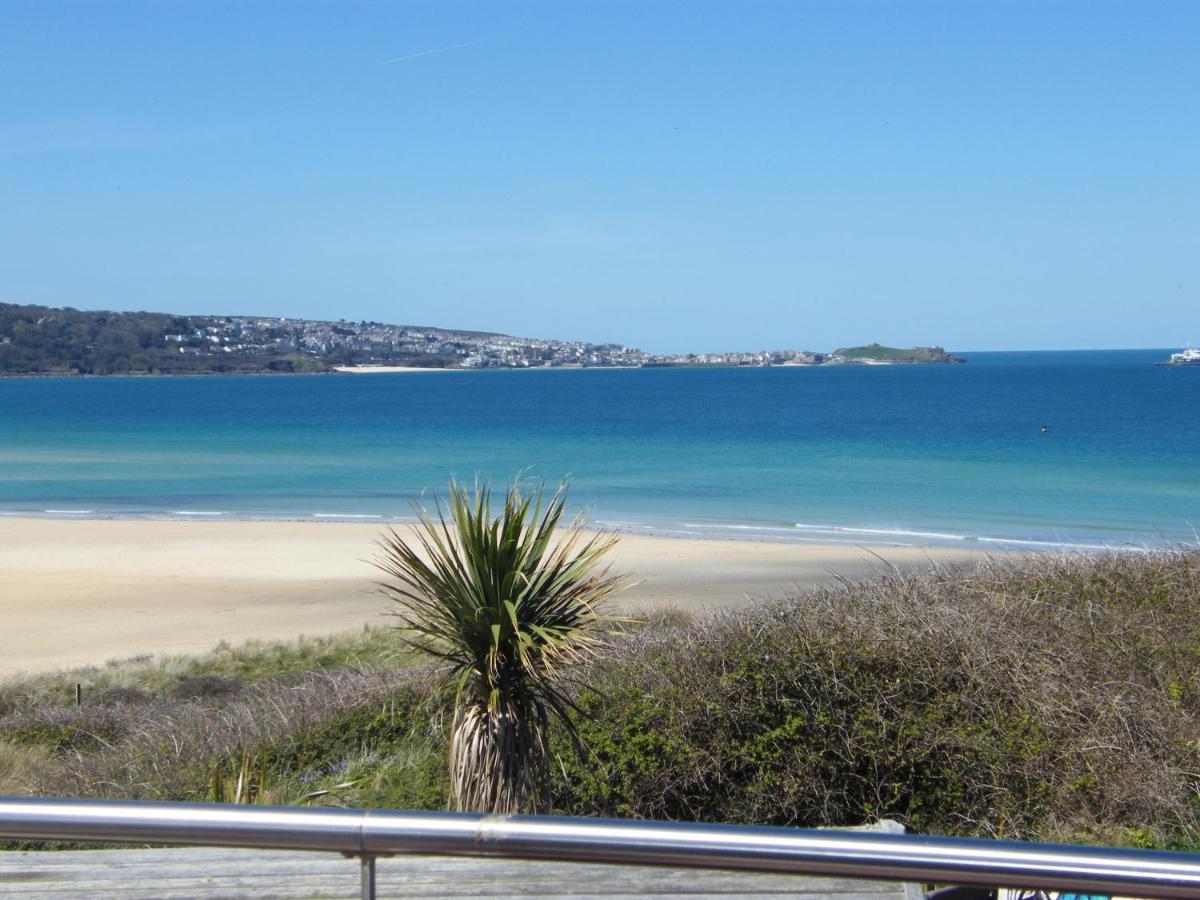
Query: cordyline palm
506, 603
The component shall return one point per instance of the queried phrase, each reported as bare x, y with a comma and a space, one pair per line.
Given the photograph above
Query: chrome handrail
372, 833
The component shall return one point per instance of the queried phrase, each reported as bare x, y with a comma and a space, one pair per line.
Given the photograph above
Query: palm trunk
498, 762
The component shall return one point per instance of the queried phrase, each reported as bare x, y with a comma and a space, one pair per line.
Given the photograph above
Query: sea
1045, 450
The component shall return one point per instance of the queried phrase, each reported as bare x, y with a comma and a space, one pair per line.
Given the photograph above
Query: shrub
195, 687
1049, 697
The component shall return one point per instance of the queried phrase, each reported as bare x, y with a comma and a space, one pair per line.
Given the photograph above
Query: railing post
368, 877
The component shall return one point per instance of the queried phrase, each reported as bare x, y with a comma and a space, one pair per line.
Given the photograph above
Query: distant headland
38, 340
875, 354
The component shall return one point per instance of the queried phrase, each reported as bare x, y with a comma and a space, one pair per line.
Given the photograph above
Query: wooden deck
218, 873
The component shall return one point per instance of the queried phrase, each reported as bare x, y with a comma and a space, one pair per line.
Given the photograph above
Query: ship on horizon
1190, 356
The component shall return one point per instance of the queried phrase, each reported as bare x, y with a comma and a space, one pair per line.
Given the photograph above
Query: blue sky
672, 175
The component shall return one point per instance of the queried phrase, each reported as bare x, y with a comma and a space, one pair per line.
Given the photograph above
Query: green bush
1050, 698
403, 718
378, 754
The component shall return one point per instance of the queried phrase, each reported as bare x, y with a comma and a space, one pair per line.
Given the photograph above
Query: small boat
1188, 357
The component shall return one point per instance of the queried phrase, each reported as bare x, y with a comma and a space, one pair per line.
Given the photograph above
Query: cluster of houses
374, 343
762, 358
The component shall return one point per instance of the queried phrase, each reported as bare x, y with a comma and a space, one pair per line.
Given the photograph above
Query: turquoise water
913, 454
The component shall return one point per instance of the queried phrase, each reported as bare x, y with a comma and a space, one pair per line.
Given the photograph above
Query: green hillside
898, 355
36, 340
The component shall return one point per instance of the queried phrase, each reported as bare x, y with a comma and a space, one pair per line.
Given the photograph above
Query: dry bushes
223, 670
1055, 697
168, 748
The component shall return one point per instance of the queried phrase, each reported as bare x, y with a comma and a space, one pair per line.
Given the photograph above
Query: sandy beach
78, 592
390, 370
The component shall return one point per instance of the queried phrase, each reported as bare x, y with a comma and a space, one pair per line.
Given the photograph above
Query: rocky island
877, 354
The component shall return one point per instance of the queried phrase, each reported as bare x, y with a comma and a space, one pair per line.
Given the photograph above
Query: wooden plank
209, 872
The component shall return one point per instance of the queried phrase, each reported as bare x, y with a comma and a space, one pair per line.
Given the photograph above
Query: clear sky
672, 175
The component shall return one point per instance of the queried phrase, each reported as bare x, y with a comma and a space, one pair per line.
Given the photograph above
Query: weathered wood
258, 874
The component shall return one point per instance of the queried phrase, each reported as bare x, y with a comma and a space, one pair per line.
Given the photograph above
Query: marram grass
507, 602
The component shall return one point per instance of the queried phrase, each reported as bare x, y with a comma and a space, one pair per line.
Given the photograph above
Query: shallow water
911, 454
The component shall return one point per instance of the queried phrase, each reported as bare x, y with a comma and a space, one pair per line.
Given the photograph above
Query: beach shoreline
82, 591
796, 533
391, 370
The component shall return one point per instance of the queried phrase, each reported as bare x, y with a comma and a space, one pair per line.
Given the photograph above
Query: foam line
736, 527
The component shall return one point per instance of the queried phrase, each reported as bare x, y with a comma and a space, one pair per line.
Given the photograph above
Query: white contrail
447, 49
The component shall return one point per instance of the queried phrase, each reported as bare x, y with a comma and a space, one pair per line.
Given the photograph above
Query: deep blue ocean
912, 454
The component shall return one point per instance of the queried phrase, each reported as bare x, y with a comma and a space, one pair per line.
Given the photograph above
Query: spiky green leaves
506, 601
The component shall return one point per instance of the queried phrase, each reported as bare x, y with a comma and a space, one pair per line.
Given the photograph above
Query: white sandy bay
83, 591
390, 370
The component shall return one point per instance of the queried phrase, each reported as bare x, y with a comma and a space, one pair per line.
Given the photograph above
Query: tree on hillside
507, 603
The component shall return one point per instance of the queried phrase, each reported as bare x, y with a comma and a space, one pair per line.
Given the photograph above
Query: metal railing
368, 834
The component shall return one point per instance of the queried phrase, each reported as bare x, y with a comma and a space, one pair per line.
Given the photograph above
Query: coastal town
37, 340
376, 344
